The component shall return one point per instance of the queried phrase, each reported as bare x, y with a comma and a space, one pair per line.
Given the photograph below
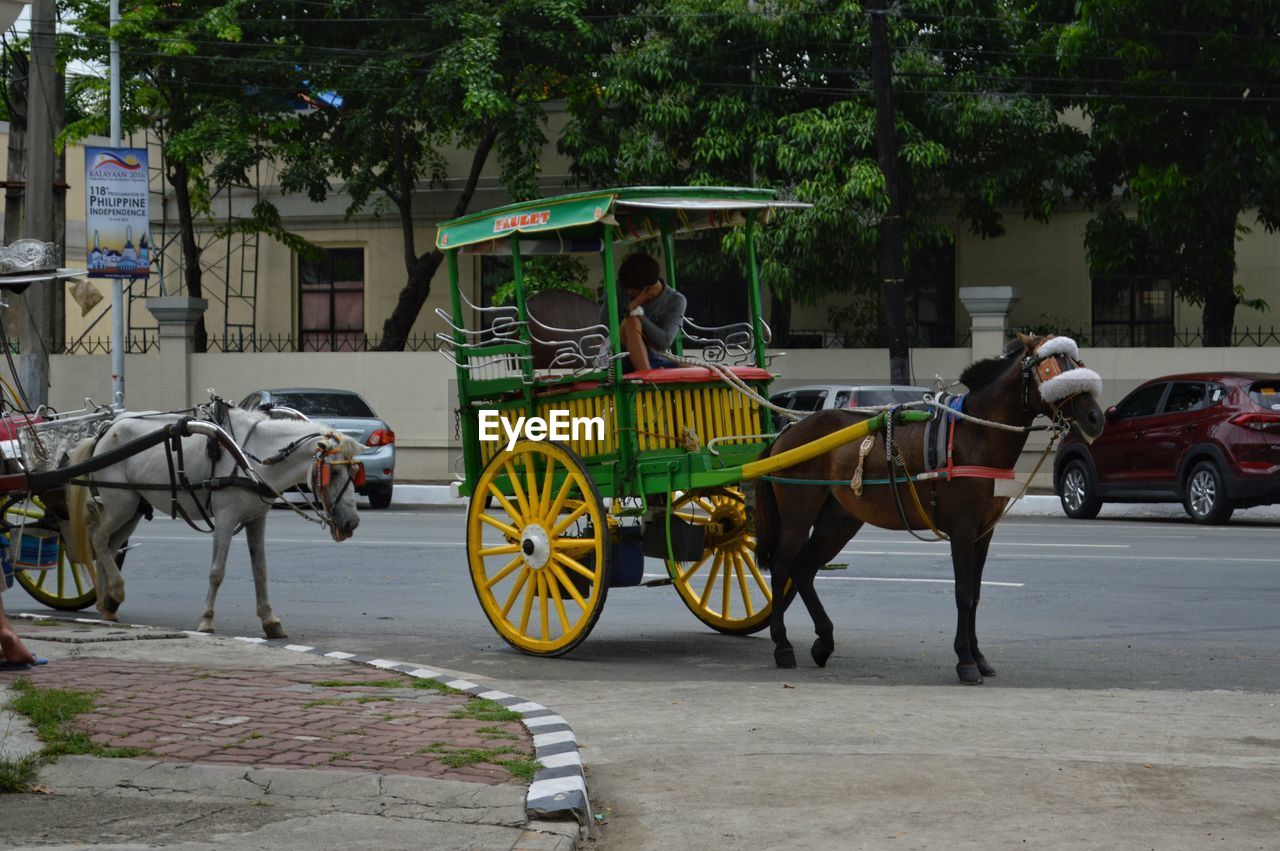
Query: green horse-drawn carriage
554, 523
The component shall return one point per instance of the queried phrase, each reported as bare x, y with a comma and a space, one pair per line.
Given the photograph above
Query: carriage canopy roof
574, 224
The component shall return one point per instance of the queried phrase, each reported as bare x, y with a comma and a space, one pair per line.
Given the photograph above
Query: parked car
350, 414
822, 397
1208, 440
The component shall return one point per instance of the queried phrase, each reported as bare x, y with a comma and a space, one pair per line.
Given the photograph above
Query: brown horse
801, 526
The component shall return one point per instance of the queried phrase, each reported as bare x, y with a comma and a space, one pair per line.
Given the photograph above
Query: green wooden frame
611, 216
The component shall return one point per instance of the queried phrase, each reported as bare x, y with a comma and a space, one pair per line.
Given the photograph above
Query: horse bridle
322, 474
1037, 369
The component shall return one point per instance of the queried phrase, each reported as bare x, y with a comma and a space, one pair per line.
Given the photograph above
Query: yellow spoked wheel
538, 551
68, 587
725, 588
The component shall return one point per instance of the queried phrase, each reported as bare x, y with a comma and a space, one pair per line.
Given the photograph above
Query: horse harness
319, 477
1036, 369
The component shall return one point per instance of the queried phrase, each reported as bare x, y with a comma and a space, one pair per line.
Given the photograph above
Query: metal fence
141, 343
145, 342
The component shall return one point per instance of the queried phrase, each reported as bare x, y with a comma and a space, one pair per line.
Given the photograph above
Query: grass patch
339, 755
482, 709
339, 701
45, 622
436, 685
523, 767
496, 733
52, 711
17, 775
428, 684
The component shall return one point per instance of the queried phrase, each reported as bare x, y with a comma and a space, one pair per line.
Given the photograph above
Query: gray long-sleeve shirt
661, 320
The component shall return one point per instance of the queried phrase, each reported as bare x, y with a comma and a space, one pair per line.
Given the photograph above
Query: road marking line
904, 579
1208, 557
179, 539
826, 575
1019, 544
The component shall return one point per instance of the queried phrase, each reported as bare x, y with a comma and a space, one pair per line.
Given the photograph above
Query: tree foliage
412, 84
216, 81
1184, 137
779, 95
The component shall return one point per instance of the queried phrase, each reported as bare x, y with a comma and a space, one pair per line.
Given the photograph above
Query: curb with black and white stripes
558, 790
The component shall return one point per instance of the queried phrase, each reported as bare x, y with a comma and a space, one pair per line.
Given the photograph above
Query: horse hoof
969, 674
785, 658
110, 607
274, 630
821, 652
984, 667
205, 626
110, 615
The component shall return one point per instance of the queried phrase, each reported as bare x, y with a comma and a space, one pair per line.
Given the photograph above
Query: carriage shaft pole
814, 448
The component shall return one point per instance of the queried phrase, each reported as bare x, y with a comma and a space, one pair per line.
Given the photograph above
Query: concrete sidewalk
205, 742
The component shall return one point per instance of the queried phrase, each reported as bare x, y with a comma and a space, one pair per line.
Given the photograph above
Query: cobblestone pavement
354, 719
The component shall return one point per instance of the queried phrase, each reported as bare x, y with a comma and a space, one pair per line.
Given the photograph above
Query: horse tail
766, 518
81, 508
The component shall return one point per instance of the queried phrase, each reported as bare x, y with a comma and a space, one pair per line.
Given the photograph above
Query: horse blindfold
1060, 374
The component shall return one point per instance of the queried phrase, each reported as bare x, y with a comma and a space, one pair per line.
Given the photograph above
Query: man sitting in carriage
652, 313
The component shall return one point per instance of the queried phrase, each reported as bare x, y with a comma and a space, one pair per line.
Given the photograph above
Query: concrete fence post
177, 316
989, 311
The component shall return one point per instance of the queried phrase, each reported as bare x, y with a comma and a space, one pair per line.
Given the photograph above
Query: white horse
283, 452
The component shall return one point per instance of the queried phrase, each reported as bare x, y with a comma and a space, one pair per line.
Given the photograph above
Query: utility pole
16, 173
895, 300
117, 285
33, 366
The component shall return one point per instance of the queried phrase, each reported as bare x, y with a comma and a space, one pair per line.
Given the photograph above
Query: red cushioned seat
678, 375
689, 374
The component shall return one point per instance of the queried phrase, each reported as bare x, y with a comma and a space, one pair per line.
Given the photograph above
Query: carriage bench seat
691, 374
678, 375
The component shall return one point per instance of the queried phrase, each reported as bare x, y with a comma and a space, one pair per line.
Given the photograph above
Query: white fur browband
1059, 346
1073, 381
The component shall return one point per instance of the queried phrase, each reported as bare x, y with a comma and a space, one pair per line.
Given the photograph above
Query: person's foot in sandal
11, 646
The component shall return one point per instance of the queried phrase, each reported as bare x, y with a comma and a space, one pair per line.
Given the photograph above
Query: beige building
258, 287
306, 316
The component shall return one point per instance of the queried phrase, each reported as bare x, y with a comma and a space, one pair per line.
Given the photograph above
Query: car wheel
380, 497
1206, 495
1079, 500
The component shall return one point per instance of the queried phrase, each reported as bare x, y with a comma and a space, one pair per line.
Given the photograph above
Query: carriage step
654, 583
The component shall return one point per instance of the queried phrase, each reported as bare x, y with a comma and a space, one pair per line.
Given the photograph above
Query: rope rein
726, 373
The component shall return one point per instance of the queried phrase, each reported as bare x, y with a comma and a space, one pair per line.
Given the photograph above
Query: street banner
117, 220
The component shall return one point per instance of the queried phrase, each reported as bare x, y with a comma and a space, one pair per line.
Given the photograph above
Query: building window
1132, 310
331, 299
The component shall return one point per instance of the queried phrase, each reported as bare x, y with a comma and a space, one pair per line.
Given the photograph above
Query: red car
1208, 440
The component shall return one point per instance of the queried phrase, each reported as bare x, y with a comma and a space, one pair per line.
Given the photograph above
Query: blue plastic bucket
35, 549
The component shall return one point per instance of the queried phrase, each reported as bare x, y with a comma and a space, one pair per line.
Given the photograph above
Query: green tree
217, 82
1184, 135
779, 95
416, 82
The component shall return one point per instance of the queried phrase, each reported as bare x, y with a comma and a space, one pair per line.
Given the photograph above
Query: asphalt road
1139, 666
1098, 604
